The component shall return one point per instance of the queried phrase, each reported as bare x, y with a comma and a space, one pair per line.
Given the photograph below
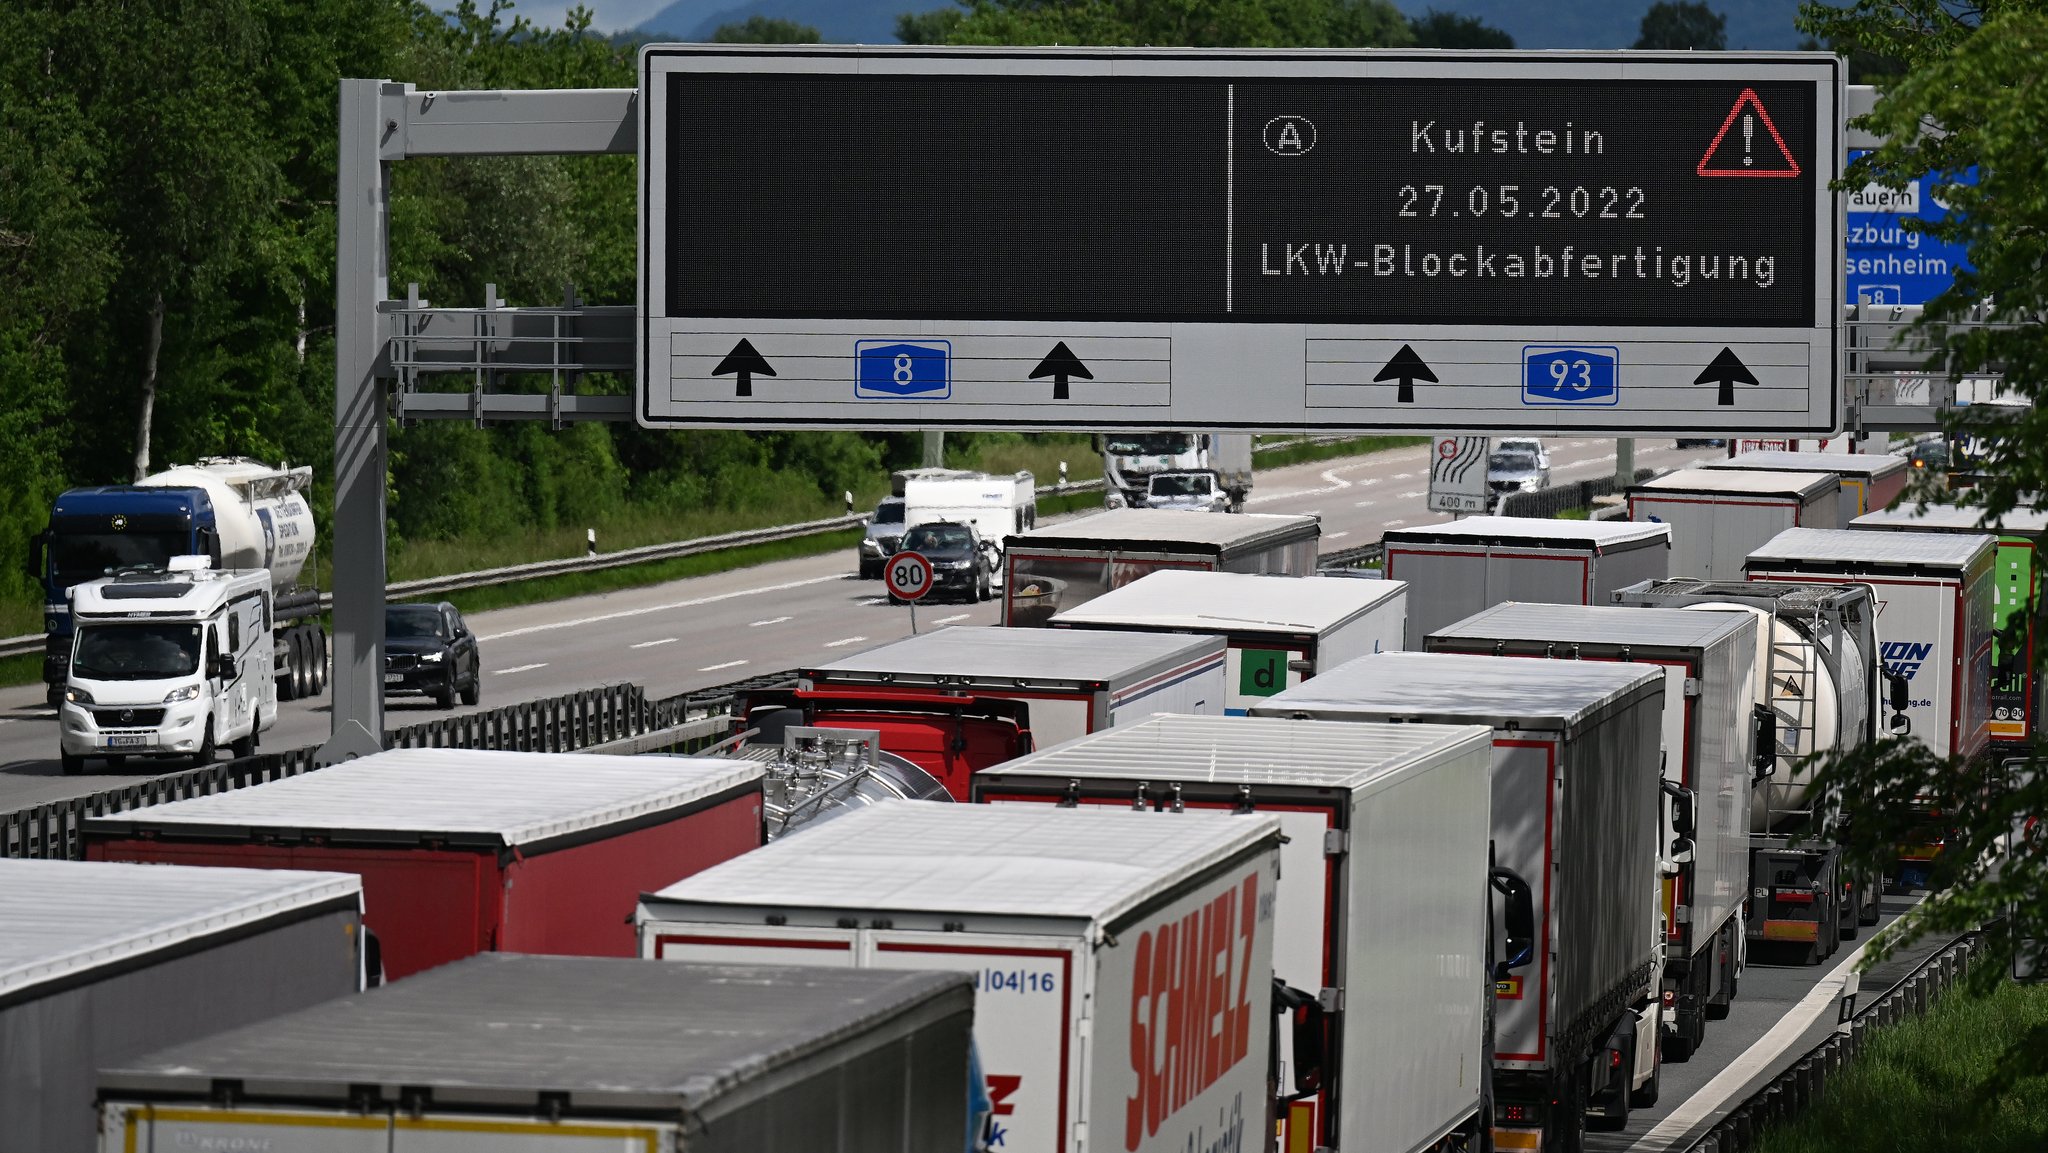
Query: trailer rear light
1789, 897
1614, 1058
1517, 1114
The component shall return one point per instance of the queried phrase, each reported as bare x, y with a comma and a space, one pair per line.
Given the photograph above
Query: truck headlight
180, 696
77, 696
1113, 499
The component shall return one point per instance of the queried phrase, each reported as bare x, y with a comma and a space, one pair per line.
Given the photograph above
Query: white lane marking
1394, 524
1335, 535
844, 641
726, 665
1575, 444
1402, 475
693, 602
875, 600
951, 619
518, 669
1365, 504
769, 621
1410, 494
1755, 1059
651, 644
1331, 483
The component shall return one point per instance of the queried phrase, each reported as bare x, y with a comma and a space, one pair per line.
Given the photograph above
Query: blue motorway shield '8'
1555, 374
898, 368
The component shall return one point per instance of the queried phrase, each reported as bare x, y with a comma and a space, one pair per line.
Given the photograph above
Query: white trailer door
1030, 996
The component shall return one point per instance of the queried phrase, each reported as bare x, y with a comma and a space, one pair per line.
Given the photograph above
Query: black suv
427, 649
963, 563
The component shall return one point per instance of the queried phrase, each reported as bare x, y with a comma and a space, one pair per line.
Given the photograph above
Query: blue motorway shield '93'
1557, 374
899, 368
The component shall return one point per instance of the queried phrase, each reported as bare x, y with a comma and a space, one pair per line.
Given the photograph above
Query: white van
171, 663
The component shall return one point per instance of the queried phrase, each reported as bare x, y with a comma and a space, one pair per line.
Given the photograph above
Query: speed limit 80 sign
908, 575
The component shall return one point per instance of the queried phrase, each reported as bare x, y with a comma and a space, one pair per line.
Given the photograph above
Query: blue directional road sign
902, 369
1578, 375
1887, 264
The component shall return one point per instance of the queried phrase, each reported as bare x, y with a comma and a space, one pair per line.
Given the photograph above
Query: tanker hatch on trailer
501, 1054
1122, 964
1280, 629
102, 963
1380, 927
464, 851
1709, 667
1459, 567
1575, 800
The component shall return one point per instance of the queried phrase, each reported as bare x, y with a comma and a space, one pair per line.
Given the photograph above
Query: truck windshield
1180, 484
1147, 444
77, 557
137, 652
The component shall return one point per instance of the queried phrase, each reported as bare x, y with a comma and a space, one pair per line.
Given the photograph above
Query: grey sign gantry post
383, 122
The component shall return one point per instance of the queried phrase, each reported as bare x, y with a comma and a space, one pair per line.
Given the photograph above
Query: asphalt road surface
711, 630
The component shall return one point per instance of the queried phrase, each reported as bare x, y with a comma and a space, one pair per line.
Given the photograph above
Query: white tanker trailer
1817, 675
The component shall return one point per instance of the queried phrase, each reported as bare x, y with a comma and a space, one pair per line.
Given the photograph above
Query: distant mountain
1755, 24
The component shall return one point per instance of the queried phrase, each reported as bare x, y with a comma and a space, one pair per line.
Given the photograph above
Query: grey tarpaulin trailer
526, 1054
1459, 567
101, 962
1718, 515
1062, 566
1870, 481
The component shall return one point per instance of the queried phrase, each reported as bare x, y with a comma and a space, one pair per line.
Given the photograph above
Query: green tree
1191, 23
1439, 29
1681, 25
764, 30
1971, 96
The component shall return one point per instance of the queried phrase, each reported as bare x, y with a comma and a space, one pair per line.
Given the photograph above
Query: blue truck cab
95, 532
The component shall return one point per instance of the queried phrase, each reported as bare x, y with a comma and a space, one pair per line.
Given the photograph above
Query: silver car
1516, 470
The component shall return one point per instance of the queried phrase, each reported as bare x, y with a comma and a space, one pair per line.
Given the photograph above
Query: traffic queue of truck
1477, 855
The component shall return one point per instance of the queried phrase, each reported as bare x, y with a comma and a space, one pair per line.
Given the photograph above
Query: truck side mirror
1900, 724
34, 564
1521, 919
1901, 693
1313, 1038
1682, 816
221, 668
1766, 761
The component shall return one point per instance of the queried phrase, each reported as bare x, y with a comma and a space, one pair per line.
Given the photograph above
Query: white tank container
259, 509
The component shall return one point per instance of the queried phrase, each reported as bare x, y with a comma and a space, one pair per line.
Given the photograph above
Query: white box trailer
1870, 481
1280, 629
1122, 964
101, 963
1074, 681
1575, 797
1063, 566
1719, 516
1934, 594
1383, 896
1710, 674
1457, 568
512, 1054
2019, 698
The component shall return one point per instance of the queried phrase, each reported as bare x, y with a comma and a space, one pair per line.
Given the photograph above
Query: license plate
134, 742
393, 678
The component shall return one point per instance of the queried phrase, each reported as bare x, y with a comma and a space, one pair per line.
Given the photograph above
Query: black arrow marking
744, 362
1407, 368
1726, 370
1060, 364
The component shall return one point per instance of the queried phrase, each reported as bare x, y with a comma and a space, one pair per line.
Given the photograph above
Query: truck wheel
1617, 1119
1870, 908
1566, 1130
316, 650
302, 665
288, 677
72, 765
243, 746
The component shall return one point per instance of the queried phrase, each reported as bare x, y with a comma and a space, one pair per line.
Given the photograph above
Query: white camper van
171, 663
997, 506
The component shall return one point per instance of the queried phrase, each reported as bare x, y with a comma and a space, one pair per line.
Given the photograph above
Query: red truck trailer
464, 851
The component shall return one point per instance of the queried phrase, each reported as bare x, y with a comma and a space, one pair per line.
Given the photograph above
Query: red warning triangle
1745, 153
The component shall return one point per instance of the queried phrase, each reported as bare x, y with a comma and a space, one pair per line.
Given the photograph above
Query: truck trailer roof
2028, 522
1444, 688
1800, 486
60, 920
1593, 536
1591, 624
1780, 460
1822, 547
1026, 861
1247, 602
460, 797
659, 1038
1255, 750
1166, 530
1010, 657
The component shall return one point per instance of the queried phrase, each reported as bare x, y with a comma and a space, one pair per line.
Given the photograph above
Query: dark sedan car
427, 649
963, 564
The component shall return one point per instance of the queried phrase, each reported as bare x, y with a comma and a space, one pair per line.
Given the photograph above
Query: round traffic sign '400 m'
908, 575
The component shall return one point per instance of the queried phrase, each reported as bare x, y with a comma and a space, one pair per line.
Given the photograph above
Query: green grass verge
1356, 446
1915, 1087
